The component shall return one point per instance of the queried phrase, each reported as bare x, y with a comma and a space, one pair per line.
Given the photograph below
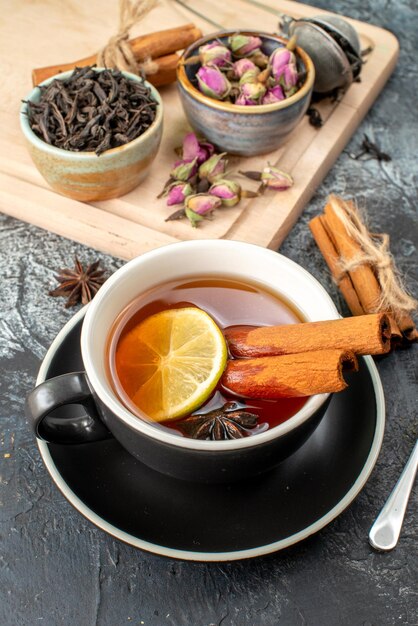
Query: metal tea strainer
334, 47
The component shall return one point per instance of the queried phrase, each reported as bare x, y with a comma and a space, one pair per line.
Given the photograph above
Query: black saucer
220, 522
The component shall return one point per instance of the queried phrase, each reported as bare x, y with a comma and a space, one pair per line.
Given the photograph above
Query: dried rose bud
283, 67
242, 66
199, 205
183, 170
178, 191
274, 178
193, 217
202, 203
214, 168
195, 149
275, 94
259, 59
289, 91
253, 91
234, 93
213, 83
243, 45
208, 147
250, 76
227, 190
279, 58
290, 77
214, 53
243, 101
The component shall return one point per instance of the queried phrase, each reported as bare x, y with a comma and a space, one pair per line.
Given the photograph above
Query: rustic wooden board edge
77, 221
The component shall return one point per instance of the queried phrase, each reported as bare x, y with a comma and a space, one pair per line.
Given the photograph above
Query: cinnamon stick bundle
365, 334
288, 376
363, 268
159, 46
330, 254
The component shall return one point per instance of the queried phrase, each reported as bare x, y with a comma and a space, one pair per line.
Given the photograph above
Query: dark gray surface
57, 568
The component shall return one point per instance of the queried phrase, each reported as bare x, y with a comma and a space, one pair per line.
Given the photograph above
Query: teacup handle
72, 388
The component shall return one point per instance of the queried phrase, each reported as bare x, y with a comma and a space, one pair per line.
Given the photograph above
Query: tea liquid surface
229, 302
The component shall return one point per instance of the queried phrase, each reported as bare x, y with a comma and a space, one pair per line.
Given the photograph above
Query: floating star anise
228, 422
79, 284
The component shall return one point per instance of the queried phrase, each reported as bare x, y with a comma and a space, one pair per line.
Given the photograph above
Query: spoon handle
384, 533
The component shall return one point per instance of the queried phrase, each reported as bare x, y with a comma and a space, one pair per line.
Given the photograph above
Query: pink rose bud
283, 67
253, 91
250, 76
243, 101
278, 60
194, 149
208, 147
243, 45
183, 170
290, 76
242, 66
213, 83
214, 53
214, 168
198, 205
274, 178
227, 190
177, 192
275, 94
202, 203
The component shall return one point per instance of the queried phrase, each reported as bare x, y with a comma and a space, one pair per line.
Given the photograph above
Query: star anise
228, 422
79, 284
370, 150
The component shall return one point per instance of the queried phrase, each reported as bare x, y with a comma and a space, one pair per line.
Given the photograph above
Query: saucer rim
190, 555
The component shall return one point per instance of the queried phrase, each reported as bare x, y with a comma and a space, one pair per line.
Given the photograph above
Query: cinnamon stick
362, 277
153, 45
359, 287
330, 255
286, 376
364, 334
167, 70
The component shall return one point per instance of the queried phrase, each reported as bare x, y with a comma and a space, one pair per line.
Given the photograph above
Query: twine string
118, 52
375, 253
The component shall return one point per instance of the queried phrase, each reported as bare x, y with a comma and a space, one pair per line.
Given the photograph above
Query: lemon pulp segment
171, 362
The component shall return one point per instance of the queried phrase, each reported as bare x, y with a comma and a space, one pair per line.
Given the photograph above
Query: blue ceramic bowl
85, 176
243, 130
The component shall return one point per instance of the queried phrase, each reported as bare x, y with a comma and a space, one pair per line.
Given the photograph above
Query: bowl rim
109, 399
33, 138
238, 108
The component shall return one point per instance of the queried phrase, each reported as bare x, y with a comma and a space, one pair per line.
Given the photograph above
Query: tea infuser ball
334, 47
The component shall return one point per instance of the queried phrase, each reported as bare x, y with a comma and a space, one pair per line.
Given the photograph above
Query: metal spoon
384, 533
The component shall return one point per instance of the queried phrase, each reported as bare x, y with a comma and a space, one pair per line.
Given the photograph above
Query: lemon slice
171, 362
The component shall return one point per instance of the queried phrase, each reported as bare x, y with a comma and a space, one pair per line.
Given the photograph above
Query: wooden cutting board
46, 33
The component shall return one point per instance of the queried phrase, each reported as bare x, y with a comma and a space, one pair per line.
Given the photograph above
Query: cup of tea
236, 284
